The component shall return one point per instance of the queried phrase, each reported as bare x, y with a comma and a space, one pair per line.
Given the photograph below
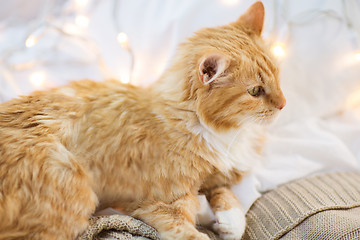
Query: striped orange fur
68, 151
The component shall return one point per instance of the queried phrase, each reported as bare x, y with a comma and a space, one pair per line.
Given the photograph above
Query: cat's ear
212, 66
253, 18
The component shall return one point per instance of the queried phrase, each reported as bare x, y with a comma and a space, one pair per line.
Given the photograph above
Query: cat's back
59, 117
67, 103
72, 116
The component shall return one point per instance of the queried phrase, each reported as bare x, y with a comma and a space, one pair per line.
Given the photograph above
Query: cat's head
233, 78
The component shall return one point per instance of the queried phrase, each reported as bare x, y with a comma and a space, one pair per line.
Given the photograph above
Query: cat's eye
256, 91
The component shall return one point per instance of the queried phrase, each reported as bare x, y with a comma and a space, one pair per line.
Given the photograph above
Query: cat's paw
230, 224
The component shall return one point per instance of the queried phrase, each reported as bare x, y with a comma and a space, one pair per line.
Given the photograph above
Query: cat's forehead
255, 68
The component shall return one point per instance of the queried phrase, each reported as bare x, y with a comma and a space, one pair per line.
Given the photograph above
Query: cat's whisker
232, 141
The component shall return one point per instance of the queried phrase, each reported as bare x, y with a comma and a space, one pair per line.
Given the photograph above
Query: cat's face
236, 78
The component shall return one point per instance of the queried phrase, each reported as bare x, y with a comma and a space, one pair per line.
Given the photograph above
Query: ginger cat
68, 151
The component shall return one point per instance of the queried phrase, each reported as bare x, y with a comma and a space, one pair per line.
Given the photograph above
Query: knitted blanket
321, 207
123, 227
118, 227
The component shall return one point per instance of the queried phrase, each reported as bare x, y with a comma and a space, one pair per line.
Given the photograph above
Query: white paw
230, 224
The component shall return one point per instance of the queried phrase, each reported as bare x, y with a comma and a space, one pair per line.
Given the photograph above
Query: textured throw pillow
320, 207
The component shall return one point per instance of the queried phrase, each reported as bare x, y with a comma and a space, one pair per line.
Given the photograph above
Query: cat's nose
281, 104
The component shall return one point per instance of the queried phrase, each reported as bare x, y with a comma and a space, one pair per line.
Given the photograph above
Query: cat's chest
235, 149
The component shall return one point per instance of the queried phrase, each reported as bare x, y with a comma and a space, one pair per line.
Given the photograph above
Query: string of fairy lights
77, 17
280, 33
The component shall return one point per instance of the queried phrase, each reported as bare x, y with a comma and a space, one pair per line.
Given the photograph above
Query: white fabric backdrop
319, 129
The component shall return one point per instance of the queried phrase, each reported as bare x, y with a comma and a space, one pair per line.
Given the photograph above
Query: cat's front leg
230, 217
175, 220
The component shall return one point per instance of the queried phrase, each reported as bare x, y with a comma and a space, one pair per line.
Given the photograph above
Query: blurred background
47, 43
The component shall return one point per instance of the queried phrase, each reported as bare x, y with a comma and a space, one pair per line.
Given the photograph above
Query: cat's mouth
266, 116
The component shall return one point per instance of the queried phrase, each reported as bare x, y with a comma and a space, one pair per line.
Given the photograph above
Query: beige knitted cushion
320, 207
